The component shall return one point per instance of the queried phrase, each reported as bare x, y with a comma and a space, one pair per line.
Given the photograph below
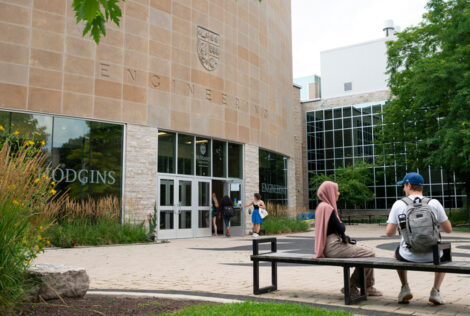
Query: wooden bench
462, 267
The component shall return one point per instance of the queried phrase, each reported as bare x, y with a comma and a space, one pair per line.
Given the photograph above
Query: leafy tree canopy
95, 14
351, 182
428, 116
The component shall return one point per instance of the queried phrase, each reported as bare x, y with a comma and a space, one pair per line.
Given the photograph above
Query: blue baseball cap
412, 178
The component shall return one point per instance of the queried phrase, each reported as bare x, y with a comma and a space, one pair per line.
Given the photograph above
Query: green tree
352, 184
95, 14
428, 116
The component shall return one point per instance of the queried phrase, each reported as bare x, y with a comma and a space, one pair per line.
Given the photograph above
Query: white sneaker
405, 295
435, 297
255, 235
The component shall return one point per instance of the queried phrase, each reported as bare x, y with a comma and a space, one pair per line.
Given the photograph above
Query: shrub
458, 216
102, 231
92, 222
278, 220
23, 199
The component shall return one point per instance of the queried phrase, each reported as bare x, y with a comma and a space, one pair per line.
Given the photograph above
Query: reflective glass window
338, 138
204, 194
166, 192
348, 137
235, 161
203, 156
329, 139
184, 192
87, 157
273, 177
328, 114
166, 152
319, 115
338, 123
328, 125
337, 113
219, 159
185, 154
32, 127
310, 116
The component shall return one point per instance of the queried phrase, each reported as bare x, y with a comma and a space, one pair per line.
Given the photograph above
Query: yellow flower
27, 261
44, 175
1, 128
40, 227
52, 191
37, 180
16, 132
53, 183
30, 142
39, 237
15, 202
36, 247
22, 204
43, 143
48, 242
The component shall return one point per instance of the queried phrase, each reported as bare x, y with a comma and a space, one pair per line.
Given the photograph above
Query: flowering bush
24, 198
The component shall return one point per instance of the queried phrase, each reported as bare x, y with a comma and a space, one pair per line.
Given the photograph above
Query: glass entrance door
184, 208
233, 188
204, 202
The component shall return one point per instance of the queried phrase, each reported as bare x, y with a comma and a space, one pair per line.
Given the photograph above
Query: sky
319, 25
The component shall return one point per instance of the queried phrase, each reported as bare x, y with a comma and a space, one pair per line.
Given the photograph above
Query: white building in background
356, 69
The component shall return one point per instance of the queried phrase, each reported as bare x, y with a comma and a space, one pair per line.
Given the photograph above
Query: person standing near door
226, 208
215, 213
255, 217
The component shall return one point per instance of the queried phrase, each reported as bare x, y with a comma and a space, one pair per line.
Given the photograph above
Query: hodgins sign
83, 175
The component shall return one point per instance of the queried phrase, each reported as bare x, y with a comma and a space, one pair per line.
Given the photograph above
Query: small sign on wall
234, 187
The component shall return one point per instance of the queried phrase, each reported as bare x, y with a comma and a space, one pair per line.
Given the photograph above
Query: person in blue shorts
255, 217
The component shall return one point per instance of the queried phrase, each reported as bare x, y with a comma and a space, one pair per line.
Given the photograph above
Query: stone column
292, 186
140, 189
251, 170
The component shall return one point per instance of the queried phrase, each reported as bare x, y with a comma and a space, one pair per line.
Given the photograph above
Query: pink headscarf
327, 194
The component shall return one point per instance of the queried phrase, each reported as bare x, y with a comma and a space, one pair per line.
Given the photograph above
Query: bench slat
380, 263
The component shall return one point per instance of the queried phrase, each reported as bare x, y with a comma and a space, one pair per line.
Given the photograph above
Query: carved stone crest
208, 48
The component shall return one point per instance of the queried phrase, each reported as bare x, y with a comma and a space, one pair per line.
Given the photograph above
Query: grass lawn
257, 309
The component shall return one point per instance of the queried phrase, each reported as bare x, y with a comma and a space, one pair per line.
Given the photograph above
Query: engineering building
340, 127
184, 99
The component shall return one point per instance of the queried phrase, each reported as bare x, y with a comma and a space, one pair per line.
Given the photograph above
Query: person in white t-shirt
413, 187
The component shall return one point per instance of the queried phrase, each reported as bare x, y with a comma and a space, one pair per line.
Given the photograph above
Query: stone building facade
217, 69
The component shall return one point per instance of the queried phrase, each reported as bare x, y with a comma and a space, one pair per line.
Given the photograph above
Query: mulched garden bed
105, 305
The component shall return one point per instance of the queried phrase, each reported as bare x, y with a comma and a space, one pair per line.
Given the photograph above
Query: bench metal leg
348, 299
273, 287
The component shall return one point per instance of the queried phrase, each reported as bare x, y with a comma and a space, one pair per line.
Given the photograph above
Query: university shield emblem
208, 48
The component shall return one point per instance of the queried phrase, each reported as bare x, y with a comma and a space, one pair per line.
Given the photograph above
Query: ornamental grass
24, 199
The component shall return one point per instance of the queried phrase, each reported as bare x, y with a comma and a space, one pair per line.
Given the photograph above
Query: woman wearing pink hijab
331, 241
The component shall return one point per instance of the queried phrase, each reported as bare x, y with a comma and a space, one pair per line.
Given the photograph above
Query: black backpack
228, 211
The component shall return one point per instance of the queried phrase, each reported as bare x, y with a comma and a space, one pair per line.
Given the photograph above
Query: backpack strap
425, 200
407, 201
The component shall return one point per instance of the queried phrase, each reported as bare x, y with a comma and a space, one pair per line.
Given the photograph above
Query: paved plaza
218, 265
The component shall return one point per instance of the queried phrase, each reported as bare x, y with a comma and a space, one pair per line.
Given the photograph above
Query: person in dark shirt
331, 240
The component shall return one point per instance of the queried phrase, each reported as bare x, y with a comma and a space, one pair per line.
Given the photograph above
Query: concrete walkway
222, 265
